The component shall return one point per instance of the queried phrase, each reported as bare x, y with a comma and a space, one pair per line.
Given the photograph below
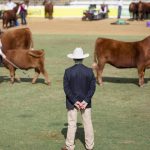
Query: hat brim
77, 57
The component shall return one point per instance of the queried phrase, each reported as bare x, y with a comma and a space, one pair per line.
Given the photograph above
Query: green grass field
33, 117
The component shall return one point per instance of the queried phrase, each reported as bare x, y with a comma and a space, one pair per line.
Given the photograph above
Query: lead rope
16, 66
4, 57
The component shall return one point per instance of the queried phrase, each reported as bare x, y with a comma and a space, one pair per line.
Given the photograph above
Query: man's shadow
79, 132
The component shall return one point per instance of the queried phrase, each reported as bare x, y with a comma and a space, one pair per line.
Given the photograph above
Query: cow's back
16, 38
117, 53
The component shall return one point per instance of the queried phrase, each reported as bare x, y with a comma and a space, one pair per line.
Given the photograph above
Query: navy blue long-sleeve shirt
79, 84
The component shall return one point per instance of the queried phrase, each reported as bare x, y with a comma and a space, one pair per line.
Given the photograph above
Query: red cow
122, 55
9, 16
26, 59
48, 7
133, 9
143, 10
16, 38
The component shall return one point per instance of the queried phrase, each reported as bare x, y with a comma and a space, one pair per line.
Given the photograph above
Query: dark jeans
119, 12
23, 17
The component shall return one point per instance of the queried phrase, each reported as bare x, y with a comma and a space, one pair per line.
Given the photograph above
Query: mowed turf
33, 117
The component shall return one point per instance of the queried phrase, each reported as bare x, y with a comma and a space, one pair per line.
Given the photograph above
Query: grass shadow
7, 79
39, 80
124, 80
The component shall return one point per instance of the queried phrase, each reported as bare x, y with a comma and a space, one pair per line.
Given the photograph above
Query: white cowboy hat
78, 54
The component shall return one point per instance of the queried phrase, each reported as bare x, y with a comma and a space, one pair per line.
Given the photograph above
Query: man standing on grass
79, 87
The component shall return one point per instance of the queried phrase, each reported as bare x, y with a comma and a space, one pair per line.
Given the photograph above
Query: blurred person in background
120, 5
10, 5
103, 10
22, 11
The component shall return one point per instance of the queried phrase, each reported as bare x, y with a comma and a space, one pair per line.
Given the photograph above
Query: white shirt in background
120, 3
10, 5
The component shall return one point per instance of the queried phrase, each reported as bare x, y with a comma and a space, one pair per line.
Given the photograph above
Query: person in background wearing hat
79, 86
10, 5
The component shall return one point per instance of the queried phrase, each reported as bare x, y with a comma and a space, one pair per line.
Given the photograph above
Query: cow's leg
84, 18
49, 15
37, 73
18, 79
3, 23
44, 72
141, 73
7, 24
12, 74
99, 73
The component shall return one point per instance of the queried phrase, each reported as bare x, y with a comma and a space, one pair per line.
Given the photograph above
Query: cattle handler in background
79, 87
22, 11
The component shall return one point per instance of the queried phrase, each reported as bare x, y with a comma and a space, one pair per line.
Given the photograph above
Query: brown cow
16, 38
10, 16
133, 9
26, 59
143, 10
48, 7
122, 55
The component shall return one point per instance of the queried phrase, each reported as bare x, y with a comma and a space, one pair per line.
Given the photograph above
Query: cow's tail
31, 41
94, 65
29, 38
31, 46
36, 53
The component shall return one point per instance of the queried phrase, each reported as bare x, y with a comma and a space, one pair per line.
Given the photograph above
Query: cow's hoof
18, 80
101, 84
141, 85
48, 83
